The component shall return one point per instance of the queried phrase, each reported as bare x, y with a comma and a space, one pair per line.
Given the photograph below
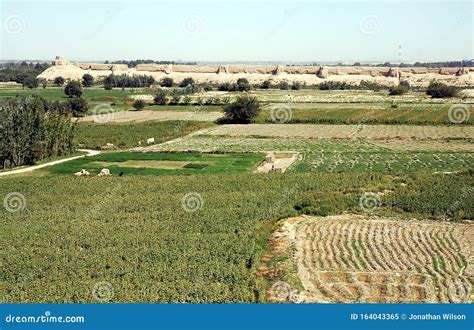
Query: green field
133, 232
363, 113
387, 162
128, 135
139, 163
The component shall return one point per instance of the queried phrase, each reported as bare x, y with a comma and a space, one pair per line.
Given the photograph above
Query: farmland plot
353, 259
369, 132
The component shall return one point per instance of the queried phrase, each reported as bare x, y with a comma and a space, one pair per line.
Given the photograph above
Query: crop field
139, 163
209, 143
186, 220
128, 135
368, 132
388, 162
345, 259
363, 113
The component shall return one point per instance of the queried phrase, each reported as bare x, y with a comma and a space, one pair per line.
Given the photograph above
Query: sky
234, 31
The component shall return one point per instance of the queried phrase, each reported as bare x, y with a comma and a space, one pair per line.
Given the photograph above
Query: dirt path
145, 115
59, 161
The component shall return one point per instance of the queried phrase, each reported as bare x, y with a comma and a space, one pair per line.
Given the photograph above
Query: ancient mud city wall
257, 73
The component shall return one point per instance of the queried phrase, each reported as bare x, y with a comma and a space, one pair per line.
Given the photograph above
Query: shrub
77, 106
243, 85
58, 81
139, 105
243, 110
284, 85
186, 82
296, 86
334, 85
30, 82
228, 87
397, 90
73, 89
266, 84
440, 90
167, 82
160, 97
87, 80
207, 86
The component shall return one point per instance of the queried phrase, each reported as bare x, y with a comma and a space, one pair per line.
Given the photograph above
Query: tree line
32, 129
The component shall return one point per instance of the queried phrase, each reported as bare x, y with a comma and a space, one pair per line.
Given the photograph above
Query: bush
228, 87
334, 85
167, 82
77, 106
87, 80
160, 97
284, 85
186, 82
207, 87
30, 82
243, 110
266, 84
73, 89
397, 90
138, 105
243, 85
58, 81
440, 90
296, 86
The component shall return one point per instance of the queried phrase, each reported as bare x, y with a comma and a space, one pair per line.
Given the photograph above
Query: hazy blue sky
237, 30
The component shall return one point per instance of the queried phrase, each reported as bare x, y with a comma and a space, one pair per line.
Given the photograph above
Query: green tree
438, 89
160, 97
77, 106
139, 105
243, 85
87, 80
73, 89
167, 82
187, 82
243, 110
58, 81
